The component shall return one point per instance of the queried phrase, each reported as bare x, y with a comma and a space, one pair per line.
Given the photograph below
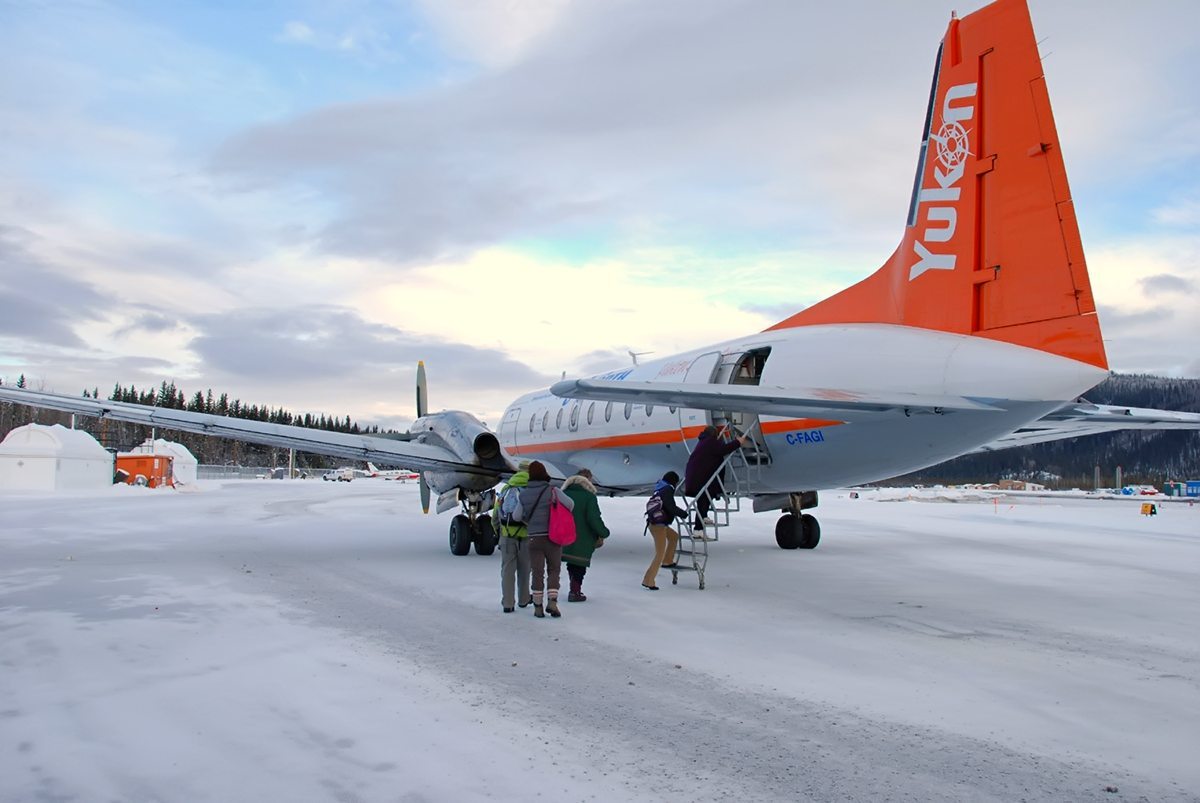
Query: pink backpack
562, 522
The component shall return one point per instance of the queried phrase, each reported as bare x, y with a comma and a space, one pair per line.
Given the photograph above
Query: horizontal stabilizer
1083, 418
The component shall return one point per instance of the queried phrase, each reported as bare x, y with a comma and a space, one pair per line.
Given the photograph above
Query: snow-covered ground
301, 640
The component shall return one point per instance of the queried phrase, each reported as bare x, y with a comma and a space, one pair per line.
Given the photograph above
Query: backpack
654, 509
562, 522
508, 506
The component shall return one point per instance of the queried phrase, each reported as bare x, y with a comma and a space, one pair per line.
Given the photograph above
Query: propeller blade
424, 495
422, 390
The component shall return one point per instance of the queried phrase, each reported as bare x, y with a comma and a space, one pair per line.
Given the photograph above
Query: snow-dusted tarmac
296, 641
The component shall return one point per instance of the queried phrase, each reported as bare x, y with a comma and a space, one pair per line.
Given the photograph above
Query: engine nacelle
470, 441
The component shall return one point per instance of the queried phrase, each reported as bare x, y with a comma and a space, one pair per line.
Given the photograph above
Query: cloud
602, 360
685, 119
361, 37
774, 312
547, 312
1182, 213
295, 31
40, 304
1167, 283
70, 371
1117, 320
606, 120
325, 351
492, 32
151, 321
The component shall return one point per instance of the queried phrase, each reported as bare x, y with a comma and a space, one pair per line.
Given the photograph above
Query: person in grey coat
533, 508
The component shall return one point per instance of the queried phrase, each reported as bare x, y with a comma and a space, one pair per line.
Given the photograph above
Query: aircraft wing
843, 405
337, 444
1083, 418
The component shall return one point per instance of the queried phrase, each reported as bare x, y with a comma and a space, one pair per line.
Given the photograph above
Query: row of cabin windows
591, 411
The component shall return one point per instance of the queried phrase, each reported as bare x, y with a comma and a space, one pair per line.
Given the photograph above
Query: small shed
152, 470
183, 462
40, 458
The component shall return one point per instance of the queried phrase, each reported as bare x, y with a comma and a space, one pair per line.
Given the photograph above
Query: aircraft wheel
789, 531
485, 536
460, 535
812, 532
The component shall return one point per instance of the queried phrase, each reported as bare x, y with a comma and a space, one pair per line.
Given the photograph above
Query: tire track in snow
674, 734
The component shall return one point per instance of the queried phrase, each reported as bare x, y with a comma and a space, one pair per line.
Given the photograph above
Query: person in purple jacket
698, 479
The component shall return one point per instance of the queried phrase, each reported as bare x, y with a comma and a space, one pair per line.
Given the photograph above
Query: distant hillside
1144, 457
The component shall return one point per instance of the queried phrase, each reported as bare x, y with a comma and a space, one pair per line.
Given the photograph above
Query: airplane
979, 332
401, 474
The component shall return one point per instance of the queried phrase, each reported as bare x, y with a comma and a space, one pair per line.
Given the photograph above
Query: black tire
485, 536
461, 535
812, 532
788, 531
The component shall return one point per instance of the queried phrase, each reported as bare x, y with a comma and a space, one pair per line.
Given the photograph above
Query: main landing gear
795, 529
473, 526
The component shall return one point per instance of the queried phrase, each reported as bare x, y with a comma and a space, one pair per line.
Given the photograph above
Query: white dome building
183, 462
41, 458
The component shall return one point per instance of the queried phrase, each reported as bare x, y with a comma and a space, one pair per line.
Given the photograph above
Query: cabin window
532, 418
608, 412
628, 410
545, 420
575, 416
591, 409
649, 410
558, 419
671, 409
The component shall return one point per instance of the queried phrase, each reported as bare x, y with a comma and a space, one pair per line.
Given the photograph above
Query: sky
306, 640
295, 202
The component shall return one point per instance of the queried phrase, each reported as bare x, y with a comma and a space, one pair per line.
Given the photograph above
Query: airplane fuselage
628, 445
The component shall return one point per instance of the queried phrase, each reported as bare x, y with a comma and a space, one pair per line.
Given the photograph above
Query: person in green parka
590, 531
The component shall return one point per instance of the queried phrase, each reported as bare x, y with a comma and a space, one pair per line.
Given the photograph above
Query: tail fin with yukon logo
992, 246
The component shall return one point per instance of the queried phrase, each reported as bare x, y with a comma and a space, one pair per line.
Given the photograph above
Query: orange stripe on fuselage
662, 437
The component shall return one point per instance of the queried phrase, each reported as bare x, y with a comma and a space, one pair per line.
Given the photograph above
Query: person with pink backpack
533, 508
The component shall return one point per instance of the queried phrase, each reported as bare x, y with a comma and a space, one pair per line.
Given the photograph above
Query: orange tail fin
992, 247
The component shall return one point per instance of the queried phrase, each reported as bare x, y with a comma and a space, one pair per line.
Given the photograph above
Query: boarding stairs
742, 468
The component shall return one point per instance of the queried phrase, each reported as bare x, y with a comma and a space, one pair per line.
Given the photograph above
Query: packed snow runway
301, 640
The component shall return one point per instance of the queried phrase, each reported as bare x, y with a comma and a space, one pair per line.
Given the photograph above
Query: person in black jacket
703, 463
660, 516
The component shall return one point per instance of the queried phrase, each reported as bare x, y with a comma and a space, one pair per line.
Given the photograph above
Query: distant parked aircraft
401, 474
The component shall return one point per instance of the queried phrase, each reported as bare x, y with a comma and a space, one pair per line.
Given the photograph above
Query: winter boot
576, 594
552, 608
537, 610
